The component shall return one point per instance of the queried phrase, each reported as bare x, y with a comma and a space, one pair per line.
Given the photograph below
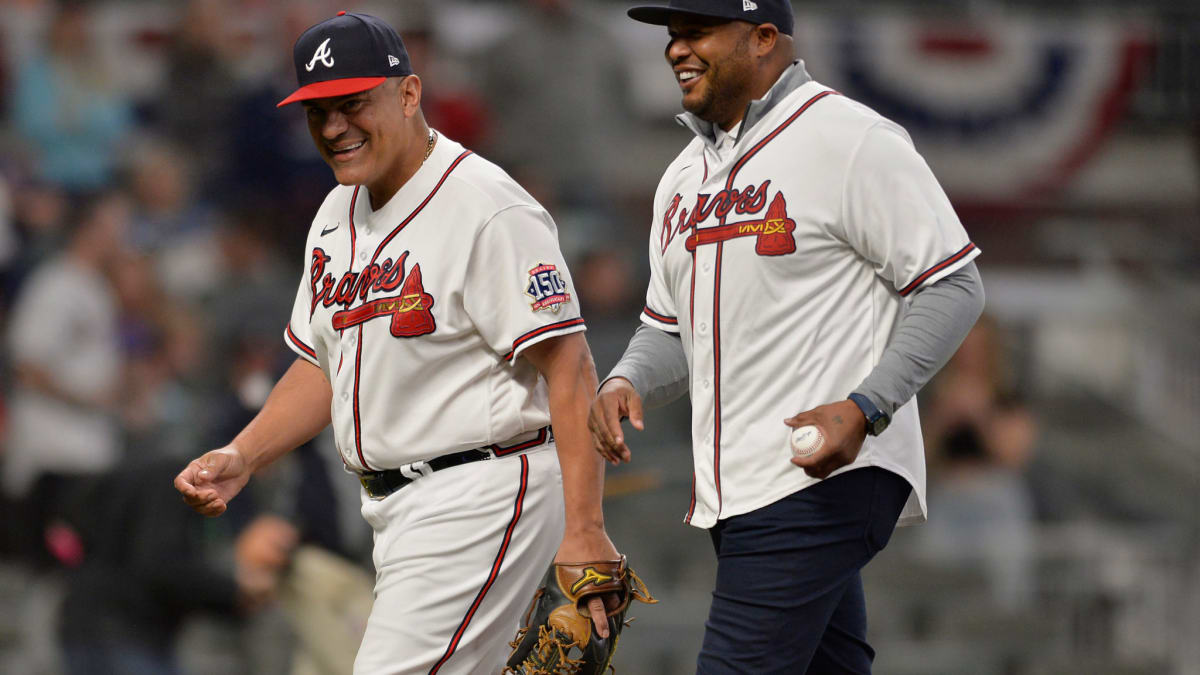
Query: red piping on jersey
541, 331
541, 437
716, 329
353, 234
382, 244
508, 533
357, 415
358, 348
691, 320
937, 268
771, 136
661, 318
300, 345
717, 294
406, 221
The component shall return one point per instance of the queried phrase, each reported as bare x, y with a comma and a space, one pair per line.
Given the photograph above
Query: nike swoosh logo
328, 230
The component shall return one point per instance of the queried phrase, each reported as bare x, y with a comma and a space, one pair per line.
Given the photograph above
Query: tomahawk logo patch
547, 288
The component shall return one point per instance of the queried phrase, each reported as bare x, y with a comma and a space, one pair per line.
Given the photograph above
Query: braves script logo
590, 576
323, 54
547, 288
409, 310
774, 232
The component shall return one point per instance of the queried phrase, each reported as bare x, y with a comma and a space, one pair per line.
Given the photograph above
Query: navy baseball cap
778, 12
345, 55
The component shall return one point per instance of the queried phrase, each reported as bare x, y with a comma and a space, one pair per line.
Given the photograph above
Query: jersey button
707, 384
362, 255
707, 267
703, 328
345, 396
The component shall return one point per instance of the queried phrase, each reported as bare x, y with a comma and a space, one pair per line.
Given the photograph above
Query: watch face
879, 425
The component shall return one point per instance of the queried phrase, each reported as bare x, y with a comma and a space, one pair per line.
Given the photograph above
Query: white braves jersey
417, 312
783, 260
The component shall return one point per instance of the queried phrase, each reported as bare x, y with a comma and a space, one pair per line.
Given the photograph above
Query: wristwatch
877, 420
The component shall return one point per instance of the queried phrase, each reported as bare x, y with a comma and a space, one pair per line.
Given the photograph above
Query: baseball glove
557, 637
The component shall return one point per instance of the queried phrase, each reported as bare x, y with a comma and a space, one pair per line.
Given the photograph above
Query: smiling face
370, 138
712, 62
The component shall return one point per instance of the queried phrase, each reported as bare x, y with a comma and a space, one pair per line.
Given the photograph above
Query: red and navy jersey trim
916, 283
661, 318
716, 329
543, 435
771, 136
716, 318
298, 344
353, 234
541, 331
378, 250
386, 240
495, 572
357, 414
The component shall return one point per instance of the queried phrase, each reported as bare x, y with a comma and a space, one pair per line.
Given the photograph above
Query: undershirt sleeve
654, 362
938, 319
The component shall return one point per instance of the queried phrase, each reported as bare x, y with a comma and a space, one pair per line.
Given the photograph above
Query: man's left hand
579, 546
844, 428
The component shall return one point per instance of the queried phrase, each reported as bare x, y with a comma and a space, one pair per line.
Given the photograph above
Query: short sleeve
518, 290
897, 216
298, 334
37, 336
660, 311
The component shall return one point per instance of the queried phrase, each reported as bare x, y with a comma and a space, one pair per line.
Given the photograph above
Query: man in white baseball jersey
806, 269
437, 329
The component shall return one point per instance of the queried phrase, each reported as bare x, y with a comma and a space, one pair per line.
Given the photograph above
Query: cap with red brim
346, 54
330, 88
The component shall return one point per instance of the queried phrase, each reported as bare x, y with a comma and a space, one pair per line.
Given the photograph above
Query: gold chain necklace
429, 144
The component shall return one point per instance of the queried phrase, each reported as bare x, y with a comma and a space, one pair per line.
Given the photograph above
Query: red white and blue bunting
1006, 109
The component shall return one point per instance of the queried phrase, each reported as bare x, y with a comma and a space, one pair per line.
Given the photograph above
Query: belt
380, 484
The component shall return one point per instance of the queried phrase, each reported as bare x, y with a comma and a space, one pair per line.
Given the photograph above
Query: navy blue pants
789, 596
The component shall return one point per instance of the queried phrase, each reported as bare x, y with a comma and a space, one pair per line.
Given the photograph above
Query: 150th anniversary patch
547, 288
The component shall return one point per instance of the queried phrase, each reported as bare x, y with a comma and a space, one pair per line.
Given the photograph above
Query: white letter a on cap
323, 54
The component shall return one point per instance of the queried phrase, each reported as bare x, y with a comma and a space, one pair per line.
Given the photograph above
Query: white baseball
806, 440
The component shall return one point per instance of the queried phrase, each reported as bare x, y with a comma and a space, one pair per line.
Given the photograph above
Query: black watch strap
877, 420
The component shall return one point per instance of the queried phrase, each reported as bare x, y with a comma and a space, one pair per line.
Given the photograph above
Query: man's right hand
210, 481
617, 399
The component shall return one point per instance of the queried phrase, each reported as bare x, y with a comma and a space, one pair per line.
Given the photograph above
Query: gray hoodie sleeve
937, 320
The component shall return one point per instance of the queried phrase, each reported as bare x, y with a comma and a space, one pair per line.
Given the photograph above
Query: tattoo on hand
837, 419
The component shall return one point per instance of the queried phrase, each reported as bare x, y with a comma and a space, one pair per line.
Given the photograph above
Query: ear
410, 95
764, 38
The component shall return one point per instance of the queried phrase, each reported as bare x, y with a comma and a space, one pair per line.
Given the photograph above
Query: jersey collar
789, 81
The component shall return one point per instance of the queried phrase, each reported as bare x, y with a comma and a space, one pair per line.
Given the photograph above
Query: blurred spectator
67, 107
560, 92
163, 407
149, 562
981, 439
40, 212
8, 232
200, 88
167, 211
272, 164
448, 101
66, 358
